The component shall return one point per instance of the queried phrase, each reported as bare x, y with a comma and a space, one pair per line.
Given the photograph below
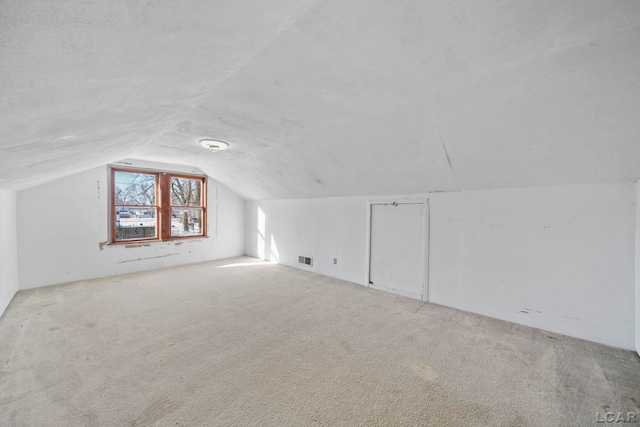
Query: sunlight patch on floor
248, 264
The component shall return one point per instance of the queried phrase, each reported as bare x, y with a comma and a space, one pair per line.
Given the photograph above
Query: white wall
555, 258
320, 228
63, 229
8, 249
638, 268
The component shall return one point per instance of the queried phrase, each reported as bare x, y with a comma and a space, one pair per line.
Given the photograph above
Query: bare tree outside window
135, 189
186, 204
157, 205
135, 205
186, 192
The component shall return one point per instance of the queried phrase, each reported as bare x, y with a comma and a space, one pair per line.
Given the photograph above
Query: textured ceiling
325, 98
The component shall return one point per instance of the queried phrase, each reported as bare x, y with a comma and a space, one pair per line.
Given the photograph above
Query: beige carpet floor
242, 343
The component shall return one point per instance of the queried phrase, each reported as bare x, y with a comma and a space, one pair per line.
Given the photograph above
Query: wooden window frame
162, 205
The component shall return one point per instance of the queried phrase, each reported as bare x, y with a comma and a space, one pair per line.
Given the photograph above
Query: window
148, 205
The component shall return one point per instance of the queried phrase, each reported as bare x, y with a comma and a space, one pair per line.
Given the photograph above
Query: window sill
153, 242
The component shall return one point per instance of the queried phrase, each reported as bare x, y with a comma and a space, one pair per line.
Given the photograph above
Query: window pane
135, 223
186, 222
134, 188
186, 192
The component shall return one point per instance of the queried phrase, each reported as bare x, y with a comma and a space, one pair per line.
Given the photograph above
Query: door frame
426, 237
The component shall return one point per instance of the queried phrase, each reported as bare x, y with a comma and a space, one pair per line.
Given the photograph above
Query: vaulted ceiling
325, 98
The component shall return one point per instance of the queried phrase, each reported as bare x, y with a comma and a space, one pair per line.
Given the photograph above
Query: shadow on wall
267, 248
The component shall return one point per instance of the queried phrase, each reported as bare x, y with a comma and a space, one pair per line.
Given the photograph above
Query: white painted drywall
398, 243
63, 228
8, 248
281, 230
637, 256
556, 258
563, 254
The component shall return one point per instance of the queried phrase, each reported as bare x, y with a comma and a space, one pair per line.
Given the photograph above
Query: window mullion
165, 205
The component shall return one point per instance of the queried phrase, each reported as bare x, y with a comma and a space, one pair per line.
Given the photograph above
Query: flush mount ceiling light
213, 145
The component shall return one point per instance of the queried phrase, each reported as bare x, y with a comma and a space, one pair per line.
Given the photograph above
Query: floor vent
305, 260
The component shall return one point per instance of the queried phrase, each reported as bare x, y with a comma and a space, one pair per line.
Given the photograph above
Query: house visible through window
156, 205
186, 205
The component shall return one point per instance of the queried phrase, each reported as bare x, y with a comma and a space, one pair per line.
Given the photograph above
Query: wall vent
305, 260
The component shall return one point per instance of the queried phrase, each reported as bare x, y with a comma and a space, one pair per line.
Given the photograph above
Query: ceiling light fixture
213, 145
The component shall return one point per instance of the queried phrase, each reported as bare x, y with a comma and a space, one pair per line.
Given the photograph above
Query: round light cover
213, 145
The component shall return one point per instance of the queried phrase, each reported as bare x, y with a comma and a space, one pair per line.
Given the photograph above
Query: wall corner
637, 268
8, 248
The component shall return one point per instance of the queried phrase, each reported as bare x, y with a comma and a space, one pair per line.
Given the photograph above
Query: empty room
319, 213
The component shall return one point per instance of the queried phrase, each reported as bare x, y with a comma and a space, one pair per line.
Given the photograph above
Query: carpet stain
345, 345
425, 372
156, 411
635, 402
517, 422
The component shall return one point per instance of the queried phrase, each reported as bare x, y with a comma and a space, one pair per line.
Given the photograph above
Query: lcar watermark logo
617, 417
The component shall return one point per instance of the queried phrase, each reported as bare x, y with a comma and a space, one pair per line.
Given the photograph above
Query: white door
397, 257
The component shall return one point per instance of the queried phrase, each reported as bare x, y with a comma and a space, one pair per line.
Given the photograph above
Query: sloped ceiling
325, 98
